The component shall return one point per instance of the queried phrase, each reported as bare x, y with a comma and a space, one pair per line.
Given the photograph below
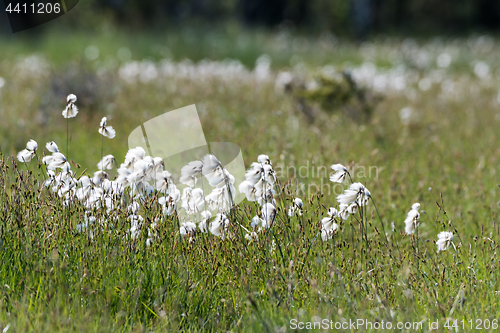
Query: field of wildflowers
99, 236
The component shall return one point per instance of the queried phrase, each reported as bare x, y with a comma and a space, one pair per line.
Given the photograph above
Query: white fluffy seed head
106, 163
71, 98
332, 212
445, 239
52, 147
32, 145
105, 130
25, 156
104, 121
264, 159
298, 202
411, 221
338, 168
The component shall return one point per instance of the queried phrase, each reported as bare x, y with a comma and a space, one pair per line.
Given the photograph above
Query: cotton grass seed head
329, 229
411, 221
296, 207
27, 154
445, 239
52, 147
32, 145
340, 174
219, 225
264, 159
356, 192
71, 98
191, 172
106, 130
106, 163
71, 109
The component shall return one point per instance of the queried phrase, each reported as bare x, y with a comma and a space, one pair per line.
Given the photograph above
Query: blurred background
358, 18
370, 81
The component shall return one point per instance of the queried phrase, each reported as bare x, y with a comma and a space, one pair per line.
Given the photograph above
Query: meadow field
421, 126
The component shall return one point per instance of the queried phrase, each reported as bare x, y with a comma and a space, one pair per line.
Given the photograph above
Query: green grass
446, 158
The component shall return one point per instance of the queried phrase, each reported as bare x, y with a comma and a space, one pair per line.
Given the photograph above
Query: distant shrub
333, 92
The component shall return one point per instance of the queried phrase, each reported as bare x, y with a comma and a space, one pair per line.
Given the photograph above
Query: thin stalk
40, 166
102, 149
352, 182
417, 252
67, 158
67, 139
307, 253
381, 222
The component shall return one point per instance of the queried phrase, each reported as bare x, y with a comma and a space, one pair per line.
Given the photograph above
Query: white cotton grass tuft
26, 155
133, 208
353, 208
56, 161
99, 177
327, 234
296, 207
328, 225
215, 173
267, 197
210, 164
268, 213
340, 174
139, 172
190, 173
106, 163
164, 182
135, 225
264, 159
106, 130
348, 197
32, 145
71, 109
249, 189
260, 180
187, 228
71, 98
133, 155
356, 192
158, 164
192, 200
445, 240
148, 181
219, 225
221, 198
152, 232
343, 212
412, 219
52, 147
258, 222
205, 216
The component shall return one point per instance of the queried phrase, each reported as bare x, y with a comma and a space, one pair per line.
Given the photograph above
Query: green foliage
335, 92
56, 279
